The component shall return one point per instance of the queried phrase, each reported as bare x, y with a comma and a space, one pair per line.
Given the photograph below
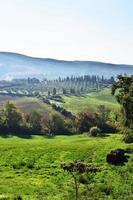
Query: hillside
13, 65
71, 103
89, 101
28, 104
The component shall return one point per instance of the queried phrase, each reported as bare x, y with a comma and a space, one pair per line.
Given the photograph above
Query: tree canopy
123, 89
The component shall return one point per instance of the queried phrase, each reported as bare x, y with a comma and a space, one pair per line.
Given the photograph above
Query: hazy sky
99, 30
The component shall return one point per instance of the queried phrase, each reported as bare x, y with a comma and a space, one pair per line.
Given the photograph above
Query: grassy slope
28, 103
72, 103
90, 101
31, 167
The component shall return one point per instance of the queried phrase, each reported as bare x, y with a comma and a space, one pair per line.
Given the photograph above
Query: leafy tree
35, 120
57, 123
123, 88
102, 117
53, 124
84, 121
103, 113
46, 124
12, 116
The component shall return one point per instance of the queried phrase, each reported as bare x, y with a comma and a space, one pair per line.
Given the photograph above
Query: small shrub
18, 198
128, 136
94, 131
77, 169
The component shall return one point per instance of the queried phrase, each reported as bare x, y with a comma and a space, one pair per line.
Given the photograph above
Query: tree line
14, 120
68, 85
75, 85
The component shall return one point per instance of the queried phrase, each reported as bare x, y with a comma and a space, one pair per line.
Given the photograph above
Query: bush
94, 131
128, 136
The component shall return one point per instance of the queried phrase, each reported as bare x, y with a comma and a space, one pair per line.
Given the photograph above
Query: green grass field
90, 101
31, 168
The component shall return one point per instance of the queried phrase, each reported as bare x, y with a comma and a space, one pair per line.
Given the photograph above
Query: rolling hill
13, 65
28, 104
89, 101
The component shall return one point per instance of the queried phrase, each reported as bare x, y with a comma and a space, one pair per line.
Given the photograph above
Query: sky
98, 30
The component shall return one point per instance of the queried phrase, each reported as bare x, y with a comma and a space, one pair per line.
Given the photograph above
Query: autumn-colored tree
53, 124
84, 121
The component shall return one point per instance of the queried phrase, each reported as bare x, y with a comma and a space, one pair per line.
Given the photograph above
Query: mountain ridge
15, 65
61, 60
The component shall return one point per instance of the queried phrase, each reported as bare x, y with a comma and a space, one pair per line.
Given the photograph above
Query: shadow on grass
98, 136
24, 134
49, 136
104, 135
9, 135
6, 133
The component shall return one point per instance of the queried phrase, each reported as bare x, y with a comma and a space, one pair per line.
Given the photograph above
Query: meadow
90, 101
30, 167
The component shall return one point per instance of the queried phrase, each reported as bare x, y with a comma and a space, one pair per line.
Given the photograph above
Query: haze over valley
13, 65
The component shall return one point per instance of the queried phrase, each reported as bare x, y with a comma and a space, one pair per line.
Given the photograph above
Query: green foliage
35, 121
103, 118
94, 131
12, 116
124, 96
128, 135
103, 113
53, 124
57, 123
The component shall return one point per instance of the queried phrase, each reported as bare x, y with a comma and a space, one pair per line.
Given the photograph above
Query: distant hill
13, 65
